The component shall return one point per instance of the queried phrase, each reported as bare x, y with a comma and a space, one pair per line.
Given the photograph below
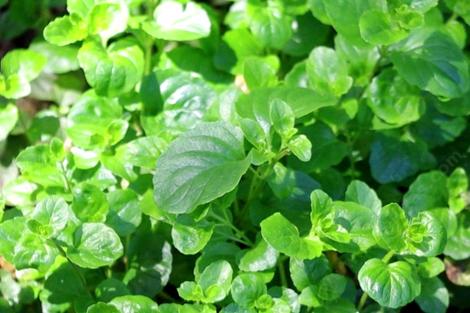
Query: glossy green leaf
391, 285
188, 172
433, 62
328, 74
262, 257
361, 193
8, 119
283, 236
178, 21
426, 236
66, 30
113, 70
380, 28
95, 245
391, 227
247, 288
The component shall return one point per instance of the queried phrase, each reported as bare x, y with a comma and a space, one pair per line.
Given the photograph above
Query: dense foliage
240, 156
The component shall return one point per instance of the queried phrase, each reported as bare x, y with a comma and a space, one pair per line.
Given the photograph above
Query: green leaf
247, 288
301, 147
66, 30
458, 245
345, 15
308, 272
392, 160
60, 60
391, 285
393, 100
428, 191
282, 118
269, 25
108, 19
90, 203
258, 73
134, 304
101, 307
361, 193
190, 237
180, 22
283, 236
114, 70
457, 185
215, 281
188, 173
380, 28
331, 287
391, 227
434, 296
95, 245
262, 257
433, 62
125, 214
327, 73
50, 216
426, 236
38, 165
8, 119
19, 67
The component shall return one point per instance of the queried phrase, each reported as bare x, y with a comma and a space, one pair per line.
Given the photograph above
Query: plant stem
64, 173
282, 272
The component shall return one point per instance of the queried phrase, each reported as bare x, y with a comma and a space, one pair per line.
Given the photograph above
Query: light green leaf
327, 73
95, 245
380, 28
101, 307
393, 100
190, 237
247, 288
188, 173
433, 62
114, 70
391, 285
89, 203
344, 15
134, 304
50, 216
361, 193
283, 236
428, 191
426, 236
258, 73
301, 147
215, 281
269, 25
391, 227
262, 257
180, 22
282, 118
66, 30
108, 19
8, 119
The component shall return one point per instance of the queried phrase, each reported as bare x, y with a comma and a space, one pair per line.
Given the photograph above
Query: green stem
226, 222
282, 272
64, 173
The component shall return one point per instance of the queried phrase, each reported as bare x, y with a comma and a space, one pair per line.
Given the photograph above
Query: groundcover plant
240, 156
